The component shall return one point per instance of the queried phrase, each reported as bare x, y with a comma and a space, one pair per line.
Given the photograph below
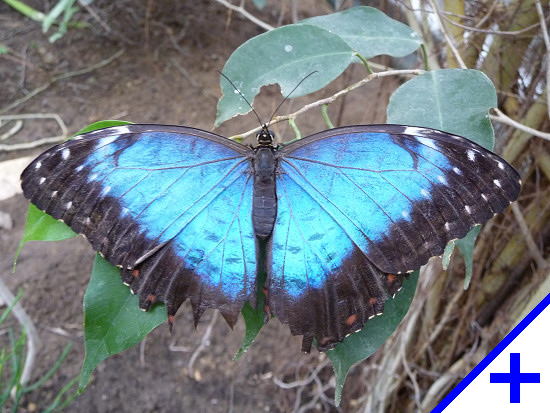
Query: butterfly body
264, 206
335, 219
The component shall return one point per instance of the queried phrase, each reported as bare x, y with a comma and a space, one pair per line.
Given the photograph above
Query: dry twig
37, 142
332, 98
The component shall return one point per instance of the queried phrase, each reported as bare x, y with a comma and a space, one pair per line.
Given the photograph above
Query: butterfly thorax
264, 203
265, 137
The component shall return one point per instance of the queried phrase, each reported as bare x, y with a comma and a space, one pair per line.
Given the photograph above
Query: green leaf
285, 56
42, 227
102, 124
254, 318
452, 100
369, 32
254, 321
326, 44
113, 320
364, 343
466, 248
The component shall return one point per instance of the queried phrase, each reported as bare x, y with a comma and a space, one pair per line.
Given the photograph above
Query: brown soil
164, 76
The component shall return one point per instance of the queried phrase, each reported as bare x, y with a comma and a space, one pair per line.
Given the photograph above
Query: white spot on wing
42, 180
405, 214
105, 190
116, 130
425, 193
500, 165
497, 183
447, 227
428, 142
471, 155
457, 171
38, 165
468, 209
68, 205
54, 194
413, 130
79, 168
484, 197
441, 179
110, 139
65, 153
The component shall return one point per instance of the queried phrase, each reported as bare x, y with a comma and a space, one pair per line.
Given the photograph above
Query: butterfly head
265, 137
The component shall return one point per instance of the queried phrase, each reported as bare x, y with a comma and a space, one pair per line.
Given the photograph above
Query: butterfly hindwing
358, 206
169, 205
320, 282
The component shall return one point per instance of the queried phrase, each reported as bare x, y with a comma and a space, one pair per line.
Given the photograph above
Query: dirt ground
164, 75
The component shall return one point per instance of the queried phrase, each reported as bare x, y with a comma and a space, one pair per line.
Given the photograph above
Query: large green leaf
326, 44
364, 343
452, 100
113, 320
370, 32
285, 56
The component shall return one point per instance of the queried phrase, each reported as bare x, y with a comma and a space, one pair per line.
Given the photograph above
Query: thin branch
502, 118
449, 41
531, 244
547, 43
304, 382
96, 16
38, 142
60, 77
490, 31
240, 9
205, 341
410, 374
488, 14
332, 98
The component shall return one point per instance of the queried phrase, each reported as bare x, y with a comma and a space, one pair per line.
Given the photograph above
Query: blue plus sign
515, 378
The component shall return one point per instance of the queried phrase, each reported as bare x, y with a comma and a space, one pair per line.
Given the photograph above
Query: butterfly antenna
239, 92
287, 96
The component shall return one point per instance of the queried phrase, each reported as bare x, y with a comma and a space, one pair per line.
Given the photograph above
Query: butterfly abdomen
264, 203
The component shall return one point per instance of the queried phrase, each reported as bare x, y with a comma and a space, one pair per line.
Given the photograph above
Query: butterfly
335, 220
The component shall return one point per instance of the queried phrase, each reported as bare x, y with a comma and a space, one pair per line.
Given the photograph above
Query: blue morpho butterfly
335, 220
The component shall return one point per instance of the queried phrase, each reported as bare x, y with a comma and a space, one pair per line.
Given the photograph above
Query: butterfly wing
169, 205
360, 206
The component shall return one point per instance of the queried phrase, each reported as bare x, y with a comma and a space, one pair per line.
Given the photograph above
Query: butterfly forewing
170, 205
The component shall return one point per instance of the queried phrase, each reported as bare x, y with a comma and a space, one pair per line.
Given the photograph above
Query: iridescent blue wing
360, 206
169, 205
